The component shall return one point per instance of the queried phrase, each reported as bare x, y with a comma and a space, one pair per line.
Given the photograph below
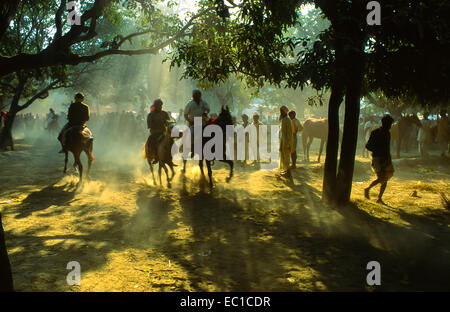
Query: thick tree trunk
350, 135
330, 169
6, 281
6, 139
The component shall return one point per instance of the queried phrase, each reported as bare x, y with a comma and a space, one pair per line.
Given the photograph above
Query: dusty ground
256, 233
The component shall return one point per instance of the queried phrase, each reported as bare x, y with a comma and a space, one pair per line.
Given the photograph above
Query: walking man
379, 145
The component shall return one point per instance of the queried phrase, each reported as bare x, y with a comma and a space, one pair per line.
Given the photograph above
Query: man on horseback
157, 120
195, 108
77, 116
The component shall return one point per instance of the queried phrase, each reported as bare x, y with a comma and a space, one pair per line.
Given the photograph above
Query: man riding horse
156, 122
77, 116
195, 108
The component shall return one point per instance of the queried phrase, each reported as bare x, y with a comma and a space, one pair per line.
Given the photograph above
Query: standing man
443, 132
156, 122
424, 136
286, 142
296, 128
257, 124
379, 145
195, 108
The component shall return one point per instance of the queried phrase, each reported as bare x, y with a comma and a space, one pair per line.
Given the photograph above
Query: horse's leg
184, 165
399, 143
159, 173
88, 152
66, 160
151, 169
173, 172
208, 165
231, 164
79, 164
304, 138
322, 141
308, 146
167, 174
200, 164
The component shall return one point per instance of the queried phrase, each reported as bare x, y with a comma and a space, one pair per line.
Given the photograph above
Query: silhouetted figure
379, 145
78, 115
296, 128
286, 142
443, 132
157, 120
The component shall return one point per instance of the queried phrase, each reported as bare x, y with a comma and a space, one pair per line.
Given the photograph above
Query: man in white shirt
195, 108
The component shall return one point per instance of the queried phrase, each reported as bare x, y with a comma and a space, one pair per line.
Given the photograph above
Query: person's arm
207, 109
187, 110
87, 113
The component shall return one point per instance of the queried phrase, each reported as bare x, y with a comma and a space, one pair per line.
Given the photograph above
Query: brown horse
78, 140
164, 154
401, 131
314, 128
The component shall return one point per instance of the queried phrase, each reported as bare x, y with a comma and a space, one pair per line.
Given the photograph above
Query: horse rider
157, 120
51, 118
195, 108
77, 116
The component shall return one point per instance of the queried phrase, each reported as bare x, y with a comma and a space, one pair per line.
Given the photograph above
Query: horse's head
224, 118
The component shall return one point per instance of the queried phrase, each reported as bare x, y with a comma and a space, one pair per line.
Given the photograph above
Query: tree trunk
350, 135
6, 133
330, 169
6, 281
6, 138
337, 94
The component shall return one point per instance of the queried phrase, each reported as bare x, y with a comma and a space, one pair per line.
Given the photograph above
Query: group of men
290, 127
426, 136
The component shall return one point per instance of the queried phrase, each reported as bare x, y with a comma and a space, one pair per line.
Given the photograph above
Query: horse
224, 119
314, 128
163, 152
402, 129
77, 140
53, 127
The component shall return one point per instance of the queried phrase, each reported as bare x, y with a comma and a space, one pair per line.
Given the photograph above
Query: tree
349, 57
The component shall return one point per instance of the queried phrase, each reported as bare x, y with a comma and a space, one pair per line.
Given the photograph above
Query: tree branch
38, 95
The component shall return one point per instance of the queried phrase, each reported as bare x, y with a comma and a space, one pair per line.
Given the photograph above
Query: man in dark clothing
78, 116
156, 122
379, 144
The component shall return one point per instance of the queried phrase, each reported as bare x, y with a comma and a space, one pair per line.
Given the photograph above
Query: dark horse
224, 119
401, 131
77, 141
163, 152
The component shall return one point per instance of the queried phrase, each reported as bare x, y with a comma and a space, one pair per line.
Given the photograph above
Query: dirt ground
256, 233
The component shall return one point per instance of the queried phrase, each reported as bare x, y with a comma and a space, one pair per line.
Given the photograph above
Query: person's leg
62, 137
367, 189
382, 189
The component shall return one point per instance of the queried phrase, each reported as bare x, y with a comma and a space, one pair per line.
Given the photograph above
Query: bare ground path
256, 233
